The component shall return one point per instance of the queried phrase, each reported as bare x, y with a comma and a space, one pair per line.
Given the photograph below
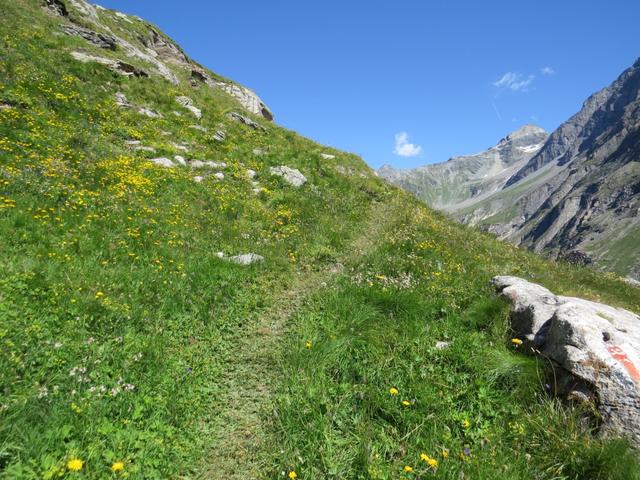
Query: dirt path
251, 375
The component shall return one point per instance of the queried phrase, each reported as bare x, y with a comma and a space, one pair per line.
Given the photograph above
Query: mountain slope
579, 193
465, 180
190, 291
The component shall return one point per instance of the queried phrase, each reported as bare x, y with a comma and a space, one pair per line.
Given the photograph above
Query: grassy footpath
367, 394
128, 348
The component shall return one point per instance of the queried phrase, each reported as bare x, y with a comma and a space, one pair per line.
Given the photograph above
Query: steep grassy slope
129, 345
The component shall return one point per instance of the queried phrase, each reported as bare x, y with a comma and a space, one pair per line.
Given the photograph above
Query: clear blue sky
353, 73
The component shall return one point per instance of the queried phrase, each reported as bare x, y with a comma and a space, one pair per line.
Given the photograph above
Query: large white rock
598, 345
290, 175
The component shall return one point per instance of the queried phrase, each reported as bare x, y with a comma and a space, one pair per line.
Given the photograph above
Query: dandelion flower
408, 469
432, 462
406, 403
99, 294
117, 467
75, 464
466, 424
293, 475
308, 345
445, 453
393, 391
516, 341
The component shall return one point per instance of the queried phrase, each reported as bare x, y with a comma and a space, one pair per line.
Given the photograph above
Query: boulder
290, 175
219, 136
187, 103
596, 348
180, 160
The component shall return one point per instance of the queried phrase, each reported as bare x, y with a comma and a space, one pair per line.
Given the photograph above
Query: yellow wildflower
308, 345
445, 453
408, 469
293, 475
516, 341
466, 424
117, 467
393, 391
75, 464
432, 462
99, 294
406, 403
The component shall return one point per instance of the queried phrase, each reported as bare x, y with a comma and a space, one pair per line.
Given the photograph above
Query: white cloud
514, 81
547, 71
404, 148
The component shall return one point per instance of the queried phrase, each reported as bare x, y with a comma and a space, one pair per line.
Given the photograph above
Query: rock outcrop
595, 348
159, 54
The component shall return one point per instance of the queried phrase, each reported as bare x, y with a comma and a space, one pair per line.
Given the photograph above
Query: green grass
124, 338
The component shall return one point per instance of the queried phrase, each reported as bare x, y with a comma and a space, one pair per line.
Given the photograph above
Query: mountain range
572, 194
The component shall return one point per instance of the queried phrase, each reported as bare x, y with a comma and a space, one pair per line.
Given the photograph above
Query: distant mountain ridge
463, 180
577, 196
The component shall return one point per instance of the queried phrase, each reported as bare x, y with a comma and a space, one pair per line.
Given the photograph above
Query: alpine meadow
189, 290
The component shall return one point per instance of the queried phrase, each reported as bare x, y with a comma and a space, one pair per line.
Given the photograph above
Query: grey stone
142, 148
187, 103
246, 259
290, 175
207, 163
595, 346
199, 127
631, 281
98, 39
442, 345
179, 160
219, 175
251, 173
245, 120
327, 156
118, 66
219, 136
258, 152
163, 162
198, 178
148, 112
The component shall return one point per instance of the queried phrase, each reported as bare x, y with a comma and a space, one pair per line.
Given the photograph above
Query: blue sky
407, 82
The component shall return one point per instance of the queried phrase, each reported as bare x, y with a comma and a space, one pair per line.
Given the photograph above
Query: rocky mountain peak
528, 135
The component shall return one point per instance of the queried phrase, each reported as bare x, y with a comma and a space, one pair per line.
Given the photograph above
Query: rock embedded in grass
163, 162
595, 349
291, 175
187, 103
246, 259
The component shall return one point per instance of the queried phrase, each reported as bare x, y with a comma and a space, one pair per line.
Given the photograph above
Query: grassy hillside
129, 348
